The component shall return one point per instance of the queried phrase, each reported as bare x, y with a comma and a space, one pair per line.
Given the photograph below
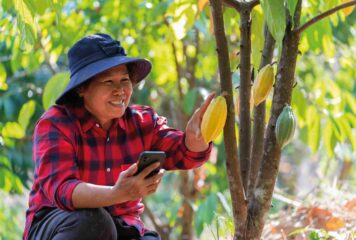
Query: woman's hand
129, 187
194, 140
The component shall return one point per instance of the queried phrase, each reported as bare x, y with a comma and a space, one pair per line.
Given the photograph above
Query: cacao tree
177, 36
253, 168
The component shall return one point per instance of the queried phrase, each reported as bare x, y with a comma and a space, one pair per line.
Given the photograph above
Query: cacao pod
214, 118
263, 83
285, 126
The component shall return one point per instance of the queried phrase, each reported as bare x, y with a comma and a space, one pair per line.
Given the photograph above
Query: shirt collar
88, 121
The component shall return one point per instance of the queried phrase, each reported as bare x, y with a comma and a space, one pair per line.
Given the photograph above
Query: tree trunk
259, 117
239, 205
261, 200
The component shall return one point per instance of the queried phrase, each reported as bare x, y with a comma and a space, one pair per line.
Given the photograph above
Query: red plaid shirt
70, 147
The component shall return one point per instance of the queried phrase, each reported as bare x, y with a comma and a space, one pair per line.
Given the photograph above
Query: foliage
12, 210
36, 35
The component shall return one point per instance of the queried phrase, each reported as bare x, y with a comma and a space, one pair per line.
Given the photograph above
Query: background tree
251, 193
177, 36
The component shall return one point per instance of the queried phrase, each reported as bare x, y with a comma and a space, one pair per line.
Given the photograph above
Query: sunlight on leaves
183, 13
54, 88
257, 37
13, 130
275, 17
26, 112
3, 84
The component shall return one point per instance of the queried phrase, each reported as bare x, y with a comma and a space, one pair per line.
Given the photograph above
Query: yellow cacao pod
285, 126
263, 84
214, 118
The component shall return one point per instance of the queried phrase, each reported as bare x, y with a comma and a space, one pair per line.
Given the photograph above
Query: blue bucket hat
94, 54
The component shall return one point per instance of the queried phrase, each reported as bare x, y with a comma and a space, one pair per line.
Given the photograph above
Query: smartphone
147, 158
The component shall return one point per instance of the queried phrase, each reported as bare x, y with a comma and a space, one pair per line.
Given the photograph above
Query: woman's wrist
195, 144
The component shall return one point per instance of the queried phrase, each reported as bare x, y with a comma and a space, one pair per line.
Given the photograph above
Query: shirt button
97, 125
107, 139
108, 169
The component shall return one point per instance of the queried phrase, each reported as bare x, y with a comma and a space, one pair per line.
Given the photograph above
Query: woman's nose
118, 89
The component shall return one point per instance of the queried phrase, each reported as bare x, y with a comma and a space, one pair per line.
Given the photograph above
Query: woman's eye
109, 82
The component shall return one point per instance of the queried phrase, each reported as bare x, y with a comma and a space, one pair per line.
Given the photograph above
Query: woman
86, 147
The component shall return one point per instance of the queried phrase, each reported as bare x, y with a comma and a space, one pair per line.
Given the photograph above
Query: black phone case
147, 158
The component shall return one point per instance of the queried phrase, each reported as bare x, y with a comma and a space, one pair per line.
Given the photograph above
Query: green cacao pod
262, 85
214, 118
285, 126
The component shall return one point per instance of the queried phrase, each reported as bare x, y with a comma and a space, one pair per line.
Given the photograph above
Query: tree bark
245, 93
259, 117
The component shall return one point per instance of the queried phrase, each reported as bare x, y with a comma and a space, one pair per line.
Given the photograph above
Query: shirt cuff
64, 194
199, 156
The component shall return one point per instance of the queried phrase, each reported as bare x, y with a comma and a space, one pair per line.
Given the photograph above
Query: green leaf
13, 130
27, 36
189, 101
300, 106
314, 235
350, 101
224, 203
338, 129
299, 230
54, 88
9, 181
26, 112
4, 162
183, 13
7, 5
329, 138
275, 17
314, 131
3, 84
205, 213
291, 5
257, 37
25, 13
346, 128
41, 6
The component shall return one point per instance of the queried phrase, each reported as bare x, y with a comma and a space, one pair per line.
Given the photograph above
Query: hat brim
139, 69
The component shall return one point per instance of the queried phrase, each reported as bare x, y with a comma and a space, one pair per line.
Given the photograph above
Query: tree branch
237, 5
259, 121
245, 94
234, 4
300, 29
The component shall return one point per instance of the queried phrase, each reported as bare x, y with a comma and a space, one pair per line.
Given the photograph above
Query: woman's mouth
120, 103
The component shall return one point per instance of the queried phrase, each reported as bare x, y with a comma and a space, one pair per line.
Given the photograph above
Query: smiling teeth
118, 102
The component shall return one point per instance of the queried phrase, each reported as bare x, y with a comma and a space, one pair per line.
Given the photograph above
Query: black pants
86, 224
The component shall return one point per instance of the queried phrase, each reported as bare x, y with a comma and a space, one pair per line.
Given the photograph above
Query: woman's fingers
206, 103
149, 169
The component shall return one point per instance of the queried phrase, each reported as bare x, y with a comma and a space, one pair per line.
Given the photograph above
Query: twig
237, 4
323, 15
234, 4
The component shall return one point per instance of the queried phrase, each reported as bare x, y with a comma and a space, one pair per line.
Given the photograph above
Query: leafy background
317, 168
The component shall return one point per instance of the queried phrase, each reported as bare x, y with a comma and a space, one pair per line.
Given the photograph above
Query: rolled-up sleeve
56, 165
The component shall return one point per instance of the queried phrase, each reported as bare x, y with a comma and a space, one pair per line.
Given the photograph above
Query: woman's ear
80, 91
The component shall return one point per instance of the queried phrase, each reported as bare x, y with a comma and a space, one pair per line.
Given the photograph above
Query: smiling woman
86, 149
107, 95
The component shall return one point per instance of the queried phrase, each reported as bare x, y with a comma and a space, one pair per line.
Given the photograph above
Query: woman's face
108, 94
